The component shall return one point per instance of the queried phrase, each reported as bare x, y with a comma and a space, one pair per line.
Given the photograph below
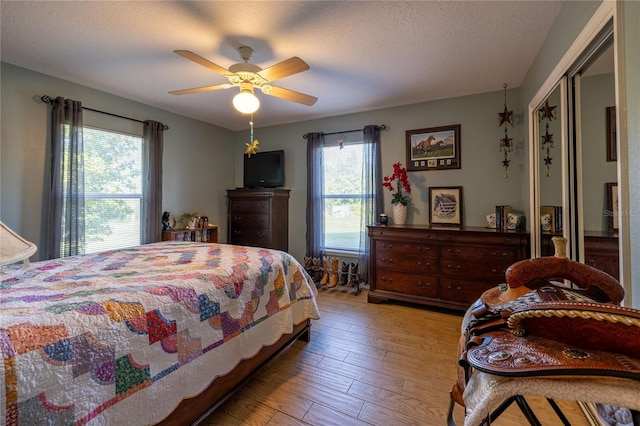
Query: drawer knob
455, 252
420, 248
385, 245
424, 265
237, 232
386, 280
455, 290
387, 259
423, 285
237, 218
457, 267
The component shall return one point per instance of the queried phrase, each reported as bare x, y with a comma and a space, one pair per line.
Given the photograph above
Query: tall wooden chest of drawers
441, 267
258, 218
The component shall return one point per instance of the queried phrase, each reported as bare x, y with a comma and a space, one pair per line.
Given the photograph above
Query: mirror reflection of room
596, 138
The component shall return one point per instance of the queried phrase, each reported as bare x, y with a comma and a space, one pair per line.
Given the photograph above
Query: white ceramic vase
399, 214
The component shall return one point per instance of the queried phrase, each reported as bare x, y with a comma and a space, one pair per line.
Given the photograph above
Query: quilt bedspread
121, 337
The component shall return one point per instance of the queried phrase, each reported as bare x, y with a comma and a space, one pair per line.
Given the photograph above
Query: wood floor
366, 364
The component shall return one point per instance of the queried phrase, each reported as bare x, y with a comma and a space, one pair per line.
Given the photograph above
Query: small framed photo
612, 154
445, 205
435, 148
611, 211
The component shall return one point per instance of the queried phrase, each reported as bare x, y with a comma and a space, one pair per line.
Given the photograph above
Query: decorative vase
399, 214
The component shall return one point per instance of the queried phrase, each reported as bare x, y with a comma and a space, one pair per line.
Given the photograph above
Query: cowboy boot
333, 281
344, 273
353, 274
325, 276
308, 265
317, 269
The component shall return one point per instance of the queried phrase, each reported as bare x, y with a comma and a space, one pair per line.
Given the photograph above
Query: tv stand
258, 217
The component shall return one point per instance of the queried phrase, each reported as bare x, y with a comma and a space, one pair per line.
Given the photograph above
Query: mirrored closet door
593, 134
574, 160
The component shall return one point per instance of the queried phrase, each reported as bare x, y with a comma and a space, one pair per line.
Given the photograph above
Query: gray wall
597, 93
195, 173
481, 175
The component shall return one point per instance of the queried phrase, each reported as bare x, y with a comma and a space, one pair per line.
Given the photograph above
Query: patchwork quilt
121, 337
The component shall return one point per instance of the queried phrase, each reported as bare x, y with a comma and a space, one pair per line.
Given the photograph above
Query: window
113, 189
344, 194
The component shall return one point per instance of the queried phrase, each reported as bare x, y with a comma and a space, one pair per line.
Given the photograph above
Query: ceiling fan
249, 77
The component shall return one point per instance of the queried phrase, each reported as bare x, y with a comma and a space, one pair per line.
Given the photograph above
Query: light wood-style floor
366, 364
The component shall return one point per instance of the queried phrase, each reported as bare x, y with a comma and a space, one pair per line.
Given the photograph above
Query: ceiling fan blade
283, 69
291, 95
187, 54
201, 89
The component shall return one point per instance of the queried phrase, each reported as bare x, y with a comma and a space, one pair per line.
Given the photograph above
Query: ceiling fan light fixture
246, 102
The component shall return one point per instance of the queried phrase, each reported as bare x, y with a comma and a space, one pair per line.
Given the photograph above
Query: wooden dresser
258, 218
441, 267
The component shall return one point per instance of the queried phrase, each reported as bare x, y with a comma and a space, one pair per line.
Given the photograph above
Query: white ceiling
363, 55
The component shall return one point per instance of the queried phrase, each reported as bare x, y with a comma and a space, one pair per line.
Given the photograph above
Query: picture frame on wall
445, 205
434, 148
611, 211
612, 153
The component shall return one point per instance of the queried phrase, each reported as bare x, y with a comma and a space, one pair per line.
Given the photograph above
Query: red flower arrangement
399, 175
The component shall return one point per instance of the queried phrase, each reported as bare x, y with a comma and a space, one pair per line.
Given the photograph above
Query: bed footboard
194, 410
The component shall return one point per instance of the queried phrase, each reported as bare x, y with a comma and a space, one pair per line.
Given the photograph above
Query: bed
161, 332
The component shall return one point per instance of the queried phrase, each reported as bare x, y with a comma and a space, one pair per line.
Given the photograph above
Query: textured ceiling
363, 55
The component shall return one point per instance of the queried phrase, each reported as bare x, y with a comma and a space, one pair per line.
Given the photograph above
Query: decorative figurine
165, 221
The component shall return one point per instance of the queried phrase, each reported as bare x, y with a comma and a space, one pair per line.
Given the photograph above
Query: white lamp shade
246, 102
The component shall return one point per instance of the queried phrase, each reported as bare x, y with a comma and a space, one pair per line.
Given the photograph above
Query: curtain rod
382, 127
49, 100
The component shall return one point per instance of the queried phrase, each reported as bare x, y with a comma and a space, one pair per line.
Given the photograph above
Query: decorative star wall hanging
506, 143
547, 113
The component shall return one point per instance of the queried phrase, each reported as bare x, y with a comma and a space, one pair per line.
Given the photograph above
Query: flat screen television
264, 169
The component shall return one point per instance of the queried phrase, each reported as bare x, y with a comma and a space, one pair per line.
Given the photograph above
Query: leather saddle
553, 317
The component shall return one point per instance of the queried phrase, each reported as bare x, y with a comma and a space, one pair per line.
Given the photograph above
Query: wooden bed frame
194, 410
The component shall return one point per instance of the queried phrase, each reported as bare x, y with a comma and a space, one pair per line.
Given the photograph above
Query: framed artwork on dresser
445, 205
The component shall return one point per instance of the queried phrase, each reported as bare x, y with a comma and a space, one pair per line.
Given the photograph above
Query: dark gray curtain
315, 200
372, 184
66, 220
152, 146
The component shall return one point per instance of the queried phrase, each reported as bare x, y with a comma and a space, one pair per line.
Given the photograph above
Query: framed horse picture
445, 205
435, 148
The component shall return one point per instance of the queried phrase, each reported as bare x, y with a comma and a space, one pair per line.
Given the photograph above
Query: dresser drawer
250, 237
419, 264
250, 206
463, 291
399, 248
492, 272
479, 254
240, 220
483, 238
416, 284
606, 262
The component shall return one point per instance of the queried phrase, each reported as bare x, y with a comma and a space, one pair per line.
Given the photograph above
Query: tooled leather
584, 276
585, 325
509, 355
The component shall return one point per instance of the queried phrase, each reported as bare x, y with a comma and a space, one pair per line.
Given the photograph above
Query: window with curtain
344, 194
106, 182
112, 189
